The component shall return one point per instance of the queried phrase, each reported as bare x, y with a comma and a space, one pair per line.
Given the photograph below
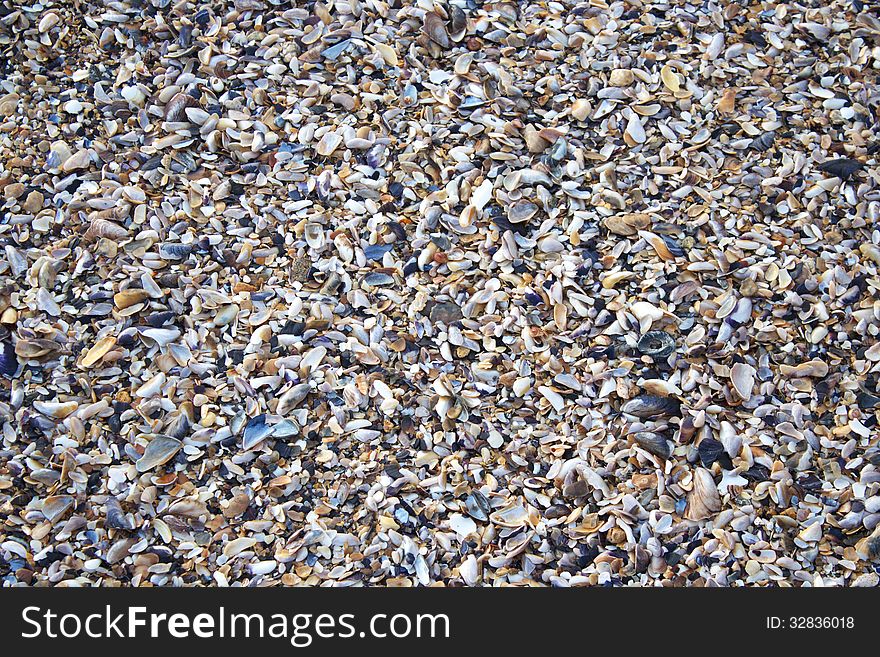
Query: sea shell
470, 570
513, 515
8, 360
651, 406
841, 167
727, 101
115, 518
457, 23
152, 387
657, 344
436, 30
521, 211
37, 348
175, 110
703, 500
159, 451
59, 410
55, 506
314, 234
102, 228
129, 297
98, 351
291, 399
709, 451
313, 359
446, 312
329, 143
670, 78
255, 432
742, 376
478, 506
653, 443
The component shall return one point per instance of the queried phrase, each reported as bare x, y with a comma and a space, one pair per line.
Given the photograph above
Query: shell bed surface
459, 293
